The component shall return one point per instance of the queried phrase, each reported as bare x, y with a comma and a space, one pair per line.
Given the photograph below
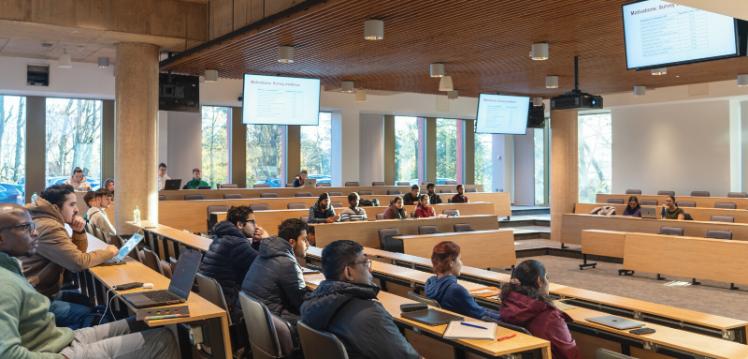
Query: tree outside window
595, 156
446, 150
12, 149
483, 163
73, 139
316, 149
406, 149
265, 144
215, 146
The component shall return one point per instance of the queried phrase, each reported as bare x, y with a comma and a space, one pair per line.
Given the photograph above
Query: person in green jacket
196, 182
27, 327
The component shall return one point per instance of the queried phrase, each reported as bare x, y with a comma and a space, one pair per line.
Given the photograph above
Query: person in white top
78, 181
162, 176
96, 214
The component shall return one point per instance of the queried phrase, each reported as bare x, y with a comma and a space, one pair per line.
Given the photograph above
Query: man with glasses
231, 254
27, 325
275, 278
345, 304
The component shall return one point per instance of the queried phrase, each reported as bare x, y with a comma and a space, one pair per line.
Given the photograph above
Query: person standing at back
162, 176
230, 255
460, 197
57, 252
78, 181
411, 197
345, 304
524, 302
196, 182
300, 180
275, 277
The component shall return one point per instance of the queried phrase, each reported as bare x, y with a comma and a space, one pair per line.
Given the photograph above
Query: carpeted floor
715, 298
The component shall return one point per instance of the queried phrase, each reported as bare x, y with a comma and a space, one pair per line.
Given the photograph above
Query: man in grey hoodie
345, 304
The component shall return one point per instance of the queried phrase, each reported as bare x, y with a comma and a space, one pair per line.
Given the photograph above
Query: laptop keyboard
160, 296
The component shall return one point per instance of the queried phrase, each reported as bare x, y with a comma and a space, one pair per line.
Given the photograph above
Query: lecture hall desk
492, 248
698, 213
707, 202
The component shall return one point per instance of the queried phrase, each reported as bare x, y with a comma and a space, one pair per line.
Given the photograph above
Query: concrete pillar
293, 154
389, 149
135, 136
36, 133
238, 148
430, 151
564, 167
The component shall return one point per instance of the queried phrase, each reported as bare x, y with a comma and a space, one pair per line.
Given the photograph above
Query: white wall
678, 146
184, 145
524, 169
371, 149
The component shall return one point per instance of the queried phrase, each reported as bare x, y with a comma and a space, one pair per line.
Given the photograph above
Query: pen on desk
472, 325
508, 336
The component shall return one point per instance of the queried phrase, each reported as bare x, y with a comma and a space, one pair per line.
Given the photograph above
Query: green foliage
316, 146
73, 137
446, 148
215, 151
483, 163
264, 153
595, 156
406, 148
12, 138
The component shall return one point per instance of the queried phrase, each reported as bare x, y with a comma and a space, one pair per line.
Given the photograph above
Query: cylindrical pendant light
539, 51
445, 83
286, 54
374, 30
551, 82
436, 70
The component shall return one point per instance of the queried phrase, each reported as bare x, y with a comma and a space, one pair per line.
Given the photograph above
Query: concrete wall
677, 146
524, 169
371, 151
184, 150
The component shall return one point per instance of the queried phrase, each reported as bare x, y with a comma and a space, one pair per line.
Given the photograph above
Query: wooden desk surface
520, 343
668, 337
184, 237
698, 213
707, 202
492, 248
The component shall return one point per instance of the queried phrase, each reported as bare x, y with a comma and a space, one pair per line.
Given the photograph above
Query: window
483, 162
595, 139
447, 147
12, 149
215, 132
265, 146
316, 149
73, 139
540, 156
406, 149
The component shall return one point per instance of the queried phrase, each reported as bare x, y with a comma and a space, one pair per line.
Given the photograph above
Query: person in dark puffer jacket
275, 278
345, 305
231, 254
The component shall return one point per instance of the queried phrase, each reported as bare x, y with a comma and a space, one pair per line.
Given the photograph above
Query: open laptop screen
184, 273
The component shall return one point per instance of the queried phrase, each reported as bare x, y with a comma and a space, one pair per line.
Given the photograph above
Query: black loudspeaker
178, 93
536, 116
37, 75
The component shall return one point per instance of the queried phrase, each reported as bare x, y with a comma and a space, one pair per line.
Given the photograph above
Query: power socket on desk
149, 312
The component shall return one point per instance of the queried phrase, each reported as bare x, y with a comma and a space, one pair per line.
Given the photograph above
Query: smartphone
641, 331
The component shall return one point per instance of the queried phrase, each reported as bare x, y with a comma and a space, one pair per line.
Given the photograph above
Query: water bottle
34, 196
136, 215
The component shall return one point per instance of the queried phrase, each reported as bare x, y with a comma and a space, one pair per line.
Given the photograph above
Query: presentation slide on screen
502, 114
659, 32
272, 100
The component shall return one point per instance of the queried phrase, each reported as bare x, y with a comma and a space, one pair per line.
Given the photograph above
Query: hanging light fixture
65, 62
445, 83
211, 75
347, 86
537, 101
374, 30
360, 95
103, 62
551, 82
539, 51
659, 71
743, 80
436, 70
452, 95
285, 54
639, 90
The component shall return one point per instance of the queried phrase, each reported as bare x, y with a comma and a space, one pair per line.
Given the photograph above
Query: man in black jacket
344, 304
411, 197
275, 278
231, 254
433, 197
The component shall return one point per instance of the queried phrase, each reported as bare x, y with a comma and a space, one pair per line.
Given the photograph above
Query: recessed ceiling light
539, 51
347, 86
374, 30
659, 71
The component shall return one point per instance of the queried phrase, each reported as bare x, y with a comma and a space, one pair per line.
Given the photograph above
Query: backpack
369, 203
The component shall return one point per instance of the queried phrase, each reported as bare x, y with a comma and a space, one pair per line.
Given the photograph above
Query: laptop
429, 316
125, 250
616, 322
649, 212
179, 288
172, 184
310, 182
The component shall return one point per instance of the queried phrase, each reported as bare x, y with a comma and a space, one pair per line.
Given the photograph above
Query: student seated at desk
196, 182
443, 287
27, 323
671, 210
411, 197
57, 252
524, 302
633, 208
460, 197
395, 210
96, 214
353, 212
231, 254
300, 180
78, 181
322, 210
345, 304
433, 197
424, 208
275, 277
162, 176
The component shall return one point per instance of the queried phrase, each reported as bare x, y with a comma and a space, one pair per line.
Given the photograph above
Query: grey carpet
710, 297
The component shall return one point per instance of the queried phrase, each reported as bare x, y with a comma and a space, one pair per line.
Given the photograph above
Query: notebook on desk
470, 330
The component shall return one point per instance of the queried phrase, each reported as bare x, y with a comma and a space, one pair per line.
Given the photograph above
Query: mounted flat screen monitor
274, 100
502, 114
658, 34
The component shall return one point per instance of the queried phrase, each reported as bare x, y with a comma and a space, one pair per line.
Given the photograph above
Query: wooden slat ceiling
484, 43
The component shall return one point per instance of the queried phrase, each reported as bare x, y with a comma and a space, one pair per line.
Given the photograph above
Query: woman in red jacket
424, 209
524, 302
